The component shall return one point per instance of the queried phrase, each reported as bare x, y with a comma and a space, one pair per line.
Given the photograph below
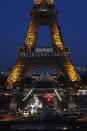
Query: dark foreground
47, 125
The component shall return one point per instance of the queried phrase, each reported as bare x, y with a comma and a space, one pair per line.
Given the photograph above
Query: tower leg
67, 66
56, 35
70, 72
16, 72
32, 34
22, 67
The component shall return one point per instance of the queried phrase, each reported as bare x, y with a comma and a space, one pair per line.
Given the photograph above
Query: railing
45, 54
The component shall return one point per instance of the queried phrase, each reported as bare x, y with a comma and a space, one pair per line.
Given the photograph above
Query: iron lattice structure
43, 13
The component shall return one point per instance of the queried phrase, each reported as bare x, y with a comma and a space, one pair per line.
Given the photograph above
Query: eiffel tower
30, 57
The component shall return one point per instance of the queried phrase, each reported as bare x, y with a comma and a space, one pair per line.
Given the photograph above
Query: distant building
44, 76
82, 70
4, 72
13, 105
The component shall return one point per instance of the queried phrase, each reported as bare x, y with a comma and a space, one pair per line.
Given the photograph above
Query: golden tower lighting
43, 13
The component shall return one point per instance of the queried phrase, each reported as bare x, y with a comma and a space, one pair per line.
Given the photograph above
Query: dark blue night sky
15, 18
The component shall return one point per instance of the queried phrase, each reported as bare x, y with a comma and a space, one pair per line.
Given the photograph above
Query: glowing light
38, 104
33, 107
28, 94
83, 92
58, 95
65, 128
48, 97
26, 114
6, 94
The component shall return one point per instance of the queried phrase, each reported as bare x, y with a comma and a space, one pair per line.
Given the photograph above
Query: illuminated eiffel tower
30, 57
